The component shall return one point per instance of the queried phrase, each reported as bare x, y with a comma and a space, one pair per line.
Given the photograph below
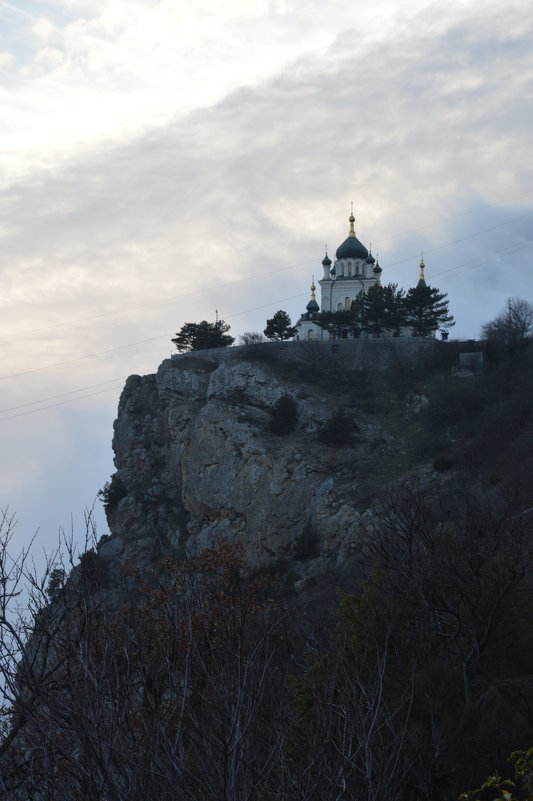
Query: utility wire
255, 276
61, 403
132, 344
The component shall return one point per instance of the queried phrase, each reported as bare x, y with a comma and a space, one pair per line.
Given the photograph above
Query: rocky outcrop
196, 460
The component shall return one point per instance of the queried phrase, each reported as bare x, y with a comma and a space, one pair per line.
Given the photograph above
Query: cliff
407, 487
196, 459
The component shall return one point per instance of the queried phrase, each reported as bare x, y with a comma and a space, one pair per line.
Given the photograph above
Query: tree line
421, 311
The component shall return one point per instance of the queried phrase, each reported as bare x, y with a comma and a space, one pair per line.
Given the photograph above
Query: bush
283, 416
93, 570
339, 429
111, 493
306, 545
251, 338
56, 583
444, 462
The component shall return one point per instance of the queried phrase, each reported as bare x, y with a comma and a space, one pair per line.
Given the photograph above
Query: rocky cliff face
196, 461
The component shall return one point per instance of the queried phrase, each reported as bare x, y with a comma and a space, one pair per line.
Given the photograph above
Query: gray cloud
427, 131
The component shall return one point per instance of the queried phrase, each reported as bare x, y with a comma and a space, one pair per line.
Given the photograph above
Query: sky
165, 160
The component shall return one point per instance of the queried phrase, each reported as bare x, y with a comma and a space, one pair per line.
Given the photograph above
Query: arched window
339, 306
310, 334
364, 270
349, 269
347, 303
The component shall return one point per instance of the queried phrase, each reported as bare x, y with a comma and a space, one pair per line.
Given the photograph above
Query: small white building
355, 269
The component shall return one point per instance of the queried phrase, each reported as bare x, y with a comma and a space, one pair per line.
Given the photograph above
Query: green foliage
306, 544
112, 493
387, 309
56, 583
495, 788
279, 327
339, 430
93, 570
338, 324
202, 336
426, 310
283, 415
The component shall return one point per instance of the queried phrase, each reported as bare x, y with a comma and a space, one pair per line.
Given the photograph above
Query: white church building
354, 269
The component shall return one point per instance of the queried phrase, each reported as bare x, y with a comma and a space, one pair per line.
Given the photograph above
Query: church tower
354, 270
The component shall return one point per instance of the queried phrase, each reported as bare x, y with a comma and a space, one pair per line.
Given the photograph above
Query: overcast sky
162, 160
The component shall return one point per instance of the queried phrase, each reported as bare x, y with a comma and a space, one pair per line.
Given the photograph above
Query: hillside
316, 585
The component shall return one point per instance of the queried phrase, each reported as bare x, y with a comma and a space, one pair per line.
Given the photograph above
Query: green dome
352, 248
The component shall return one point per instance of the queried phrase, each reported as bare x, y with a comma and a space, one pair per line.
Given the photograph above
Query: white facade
355, 269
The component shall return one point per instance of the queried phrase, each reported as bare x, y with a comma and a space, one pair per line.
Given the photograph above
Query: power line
464, 238
91, 394
167, 299
255, 276
456, 216
80, 358
131, 344
61, 403
59, 395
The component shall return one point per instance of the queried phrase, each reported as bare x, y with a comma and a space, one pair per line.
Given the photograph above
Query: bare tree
511, 327
178, 692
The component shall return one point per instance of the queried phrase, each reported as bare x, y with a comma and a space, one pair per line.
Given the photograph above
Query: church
354, 269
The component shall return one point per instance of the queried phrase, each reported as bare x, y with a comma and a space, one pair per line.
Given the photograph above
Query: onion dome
421, 281
370, 259
352, 248
313, 307
326, 261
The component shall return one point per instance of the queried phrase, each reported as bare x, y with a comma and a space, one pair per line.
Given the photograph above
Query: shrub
251, 338
306, 545
444, 462
283, 415
339, 429
111, 493
93, 570
56, 583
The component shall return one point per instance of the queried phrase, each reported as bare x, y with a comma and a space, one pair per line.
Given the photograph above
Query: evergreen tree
382, 309
336, 322
279, 327
204, 335
427, 310
394, 308
358, 310
374, 310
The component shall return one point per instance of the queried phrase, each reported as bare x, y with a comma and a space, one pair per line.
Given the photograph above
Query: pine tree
394, 305
279, 327
204, 335
374, 310
336, 323
427, 310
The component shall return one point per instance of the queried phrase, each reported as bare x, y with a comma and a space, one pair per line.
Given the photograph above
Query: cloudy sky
162, 159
